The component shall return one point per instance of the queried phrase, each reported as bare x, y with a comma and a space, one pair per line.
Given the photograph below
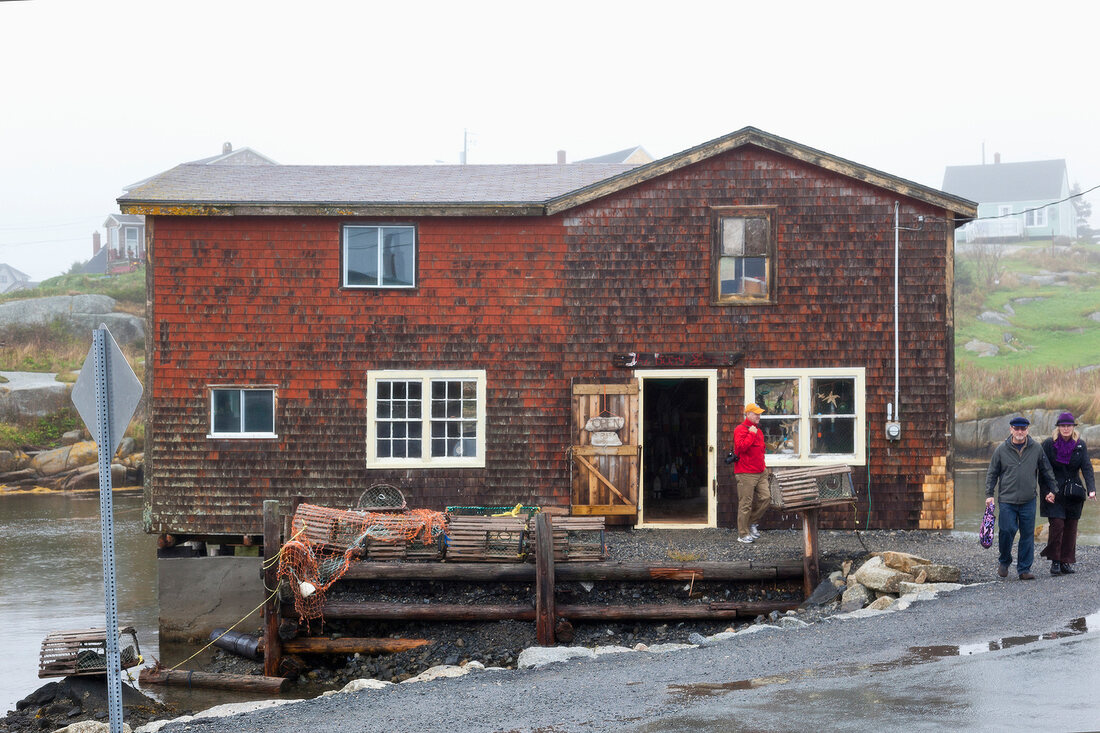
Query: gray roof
458, 190
360, 185
1037, 180
619, 156
124, 219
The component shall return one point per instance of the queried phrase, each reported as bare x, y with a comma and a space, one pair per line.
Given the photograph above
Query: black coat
1080, 468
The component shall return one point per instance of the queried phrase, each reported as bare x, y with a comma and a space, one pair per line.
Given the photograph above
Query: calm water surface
51, 576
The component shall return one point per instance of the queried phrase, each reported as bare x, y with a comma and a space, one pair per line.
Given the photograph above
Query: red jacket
749, 447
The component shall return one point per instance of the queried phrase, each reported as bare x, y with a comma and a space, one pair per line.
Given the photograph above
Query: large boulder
877, 576
51, 462
31, 394
84, 312
904, 562
13, 460
855, 597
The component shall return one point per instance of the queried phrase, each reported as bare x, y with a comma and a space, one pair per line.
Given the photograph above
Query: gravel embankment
611, 692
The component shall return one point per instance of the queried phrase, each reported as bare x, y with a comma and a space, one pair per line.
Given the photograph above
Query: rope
211, 643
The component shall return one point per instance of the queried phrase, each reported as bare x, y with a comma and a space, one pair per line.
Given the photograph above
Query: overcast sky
97, 95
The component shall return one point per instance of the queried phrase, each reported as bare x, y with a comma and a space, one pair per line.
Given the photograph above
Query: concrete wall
200, 594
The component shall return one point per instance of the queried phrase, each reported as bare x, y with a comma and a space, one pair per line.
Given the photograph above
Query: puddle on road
915, 655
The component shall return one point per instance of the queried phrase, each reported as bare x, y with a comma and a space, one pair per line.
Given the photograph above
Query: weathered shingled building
316, 330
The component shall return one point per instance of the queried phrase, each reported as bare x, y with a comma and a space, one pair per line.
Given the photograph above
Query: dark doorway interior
674, 471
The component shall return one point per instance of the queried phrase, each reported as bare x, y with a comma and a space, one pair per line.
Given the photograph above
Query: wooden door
605, 477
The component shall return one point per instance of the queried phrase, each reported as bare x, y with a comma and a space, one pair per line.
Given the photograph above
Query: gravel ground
498, 644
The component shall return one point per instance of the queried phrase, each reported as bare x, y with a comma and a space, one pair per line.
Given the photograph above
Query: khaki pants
753, 499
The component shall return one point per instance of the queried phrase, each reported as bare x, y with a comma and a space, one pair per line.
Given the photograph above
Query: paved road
853, 674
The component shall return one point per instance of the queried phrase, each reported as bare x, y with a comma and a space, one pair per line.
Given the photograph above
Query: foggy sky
100, 95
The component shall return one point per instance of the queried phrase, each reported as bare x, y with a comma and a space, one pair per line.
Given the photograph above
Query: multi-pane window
811, 415
1036, 217
379, 256
242, 412
431, 419
744, 254
131, 240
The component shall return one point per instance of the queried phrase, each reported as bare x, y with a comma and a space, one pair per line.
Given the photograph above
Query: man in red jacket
753, 494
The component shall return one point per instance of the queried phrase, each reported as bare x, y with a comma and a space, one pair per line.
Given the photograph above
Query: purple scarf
1063, 449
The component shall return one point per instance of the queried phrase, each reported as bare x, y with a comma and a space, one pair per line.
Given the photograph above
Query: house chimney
96, 246
996, 158
227, 148
561, 157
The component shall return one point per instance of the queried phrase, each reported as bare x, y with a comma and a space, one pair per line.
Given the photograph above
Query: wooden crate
487, 539
84, 652
811, 486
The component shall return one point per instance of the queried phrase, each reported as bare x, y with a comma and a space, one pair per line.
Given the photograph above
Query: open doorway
676, 469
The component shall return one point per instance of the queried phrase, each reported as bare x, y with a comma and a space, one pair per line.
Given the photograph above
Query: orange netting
325, 541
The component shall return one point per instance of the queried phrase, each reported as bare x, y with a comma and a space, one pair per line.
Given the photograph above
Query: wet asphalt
988, 653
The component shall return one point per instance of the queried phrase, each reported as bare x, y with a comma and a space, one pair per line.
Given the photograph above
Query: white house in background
12, 279
124, 247
1026, 200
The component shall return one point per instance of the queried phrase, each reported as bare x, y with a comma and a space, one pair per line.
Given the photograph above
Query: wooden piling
272, 543
545, 616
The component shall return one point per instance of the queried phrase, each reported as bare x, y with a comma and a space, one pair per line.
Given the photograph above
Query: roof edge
754, 136
267, 208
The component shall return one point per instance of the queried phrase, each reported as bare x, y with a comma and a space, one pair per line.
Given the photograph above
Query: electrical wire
967, 220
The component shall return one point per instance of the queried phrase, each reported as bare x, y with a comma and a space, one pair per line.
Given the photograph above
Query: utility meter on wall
893, 430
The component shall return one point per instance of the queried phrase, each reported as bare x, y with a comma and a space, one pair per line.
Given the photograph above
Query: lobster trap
811, 486
84, 652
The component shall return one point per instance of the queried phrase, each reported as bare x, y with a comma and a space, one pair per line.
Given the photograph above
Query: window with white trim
812, 416
131, 240
1036, 217
379, 256
429, 419
242, 412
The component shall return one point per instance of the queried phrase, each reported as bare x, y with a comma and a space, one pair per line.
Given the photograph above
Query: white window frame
126, 238
381, 253
859, 457
242, 435
1036, 217
425, 377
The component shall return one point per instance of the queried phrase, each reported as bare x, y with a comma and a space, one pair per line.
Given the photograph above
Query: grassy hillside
57, 348
1049, 341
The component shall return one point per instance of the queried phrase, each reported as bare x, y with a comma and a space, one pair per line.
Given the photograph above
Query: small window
428, 419
744, 255
379, 256
811, 415
131, 238
242, 412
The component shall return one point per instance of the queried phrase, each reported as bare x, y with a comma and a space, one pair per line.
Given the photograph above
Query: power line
1026, 211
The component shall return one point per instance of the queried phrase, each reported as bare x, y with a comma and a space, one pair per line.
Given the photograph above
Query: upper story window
379, 256
812, 416
131, 234
428, 419
242, 412
743, 258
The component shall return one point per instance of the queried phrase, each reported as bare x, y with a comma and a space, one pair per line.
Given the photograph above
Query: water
51, 576
970, 506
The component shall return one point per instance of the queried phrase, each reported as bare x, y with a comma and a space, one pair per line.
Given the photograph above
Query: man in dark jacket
753, 492
1018, 464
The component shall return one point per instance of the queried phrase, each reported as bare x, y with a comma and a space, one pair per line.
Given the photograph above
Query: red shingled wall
536, 302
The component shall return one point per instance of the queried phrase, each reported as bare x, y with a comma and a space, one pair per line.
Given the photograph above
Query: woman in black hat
1069, 457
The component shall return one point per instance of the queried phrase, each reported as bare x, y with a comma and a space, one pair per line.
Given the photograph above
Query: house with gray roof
450, 330
12, 279
1026, 200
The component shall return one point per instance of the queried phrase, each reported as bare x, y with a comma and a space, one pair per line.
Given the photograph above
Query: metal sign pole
107, 524
106, 394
